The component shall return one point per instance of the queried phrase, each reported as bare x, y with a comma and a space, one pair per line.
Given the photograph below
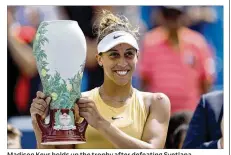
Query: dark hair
170, 13
108, 23
178, 125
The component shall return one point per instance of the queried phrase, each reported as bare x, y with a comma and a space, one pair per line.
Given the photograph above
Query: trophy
60, 52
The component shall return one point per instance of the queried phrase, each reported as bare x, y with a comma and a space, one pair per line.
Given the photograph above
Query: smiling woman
119, 116
119, 63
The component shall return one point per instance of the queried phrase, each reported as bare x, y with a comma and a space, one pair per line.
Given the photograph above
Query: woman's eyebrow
113, 50
131, 48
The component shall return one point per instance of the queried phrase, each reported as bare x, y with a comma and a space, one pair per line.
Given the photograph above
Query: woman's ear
99, 59
138, 54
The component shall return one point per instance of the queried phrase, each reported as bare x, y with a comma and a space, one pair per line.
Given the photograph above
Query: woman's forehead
121, 46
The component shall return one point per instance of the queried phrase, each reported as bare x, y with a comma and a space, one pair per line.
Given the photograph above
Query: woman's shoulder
154, 96
158, 101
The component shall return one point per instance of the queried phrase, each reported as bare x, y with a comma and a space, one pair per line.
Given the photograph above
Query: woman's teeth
122, 73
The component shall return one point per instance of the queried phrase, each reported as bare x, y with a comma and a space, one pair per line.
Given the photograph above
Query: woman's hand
87, 109
40, 105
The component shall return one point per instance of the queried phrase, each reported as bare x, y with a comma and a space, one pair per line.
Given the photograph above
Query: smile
122, 73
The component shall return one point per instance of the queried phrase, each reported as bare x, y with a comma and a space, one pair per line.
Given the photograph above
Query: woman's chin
122, 82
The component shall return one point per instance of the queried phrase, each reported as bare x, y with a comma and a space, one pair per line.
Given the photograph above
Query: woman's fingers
40, 104
84, 110
84, 103
76, 108
34, 110
40, 94
84, 114
48, 100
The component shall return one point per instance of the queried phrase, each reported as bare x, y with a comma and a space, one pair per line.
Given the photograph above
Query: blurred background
197, 31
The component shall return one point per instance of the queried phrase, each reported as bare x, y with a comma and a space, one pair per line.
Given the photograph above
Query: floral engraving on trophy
63, 93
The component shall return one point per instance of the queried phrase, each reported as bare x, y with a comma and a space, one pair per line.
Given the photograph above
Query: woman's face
119, 63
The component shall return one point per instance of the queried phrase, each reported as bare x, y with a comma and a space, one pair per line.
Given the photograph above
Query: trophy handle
43, 127
82, 126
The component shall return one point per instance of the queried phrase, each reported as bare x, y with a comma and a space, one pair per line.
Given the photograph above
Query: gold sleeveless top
130, 119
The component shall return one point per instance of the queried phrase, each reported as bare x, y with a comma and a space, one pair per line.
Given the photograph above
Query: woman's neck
116, 92
173, 37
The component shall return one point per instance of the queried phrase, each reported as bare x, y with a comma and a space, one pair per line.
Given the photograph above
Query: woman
119, 116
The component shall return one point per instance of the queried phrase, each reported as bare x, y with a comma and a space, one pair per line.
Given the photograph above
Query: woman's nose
122, 62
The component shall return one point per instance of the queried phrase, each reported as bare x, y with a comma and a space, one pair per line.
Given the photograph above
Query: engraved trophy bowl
60, 52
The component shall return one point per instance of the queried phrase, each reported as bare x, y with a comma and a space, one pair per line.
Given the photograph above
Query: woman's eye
130, 54
114, 55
